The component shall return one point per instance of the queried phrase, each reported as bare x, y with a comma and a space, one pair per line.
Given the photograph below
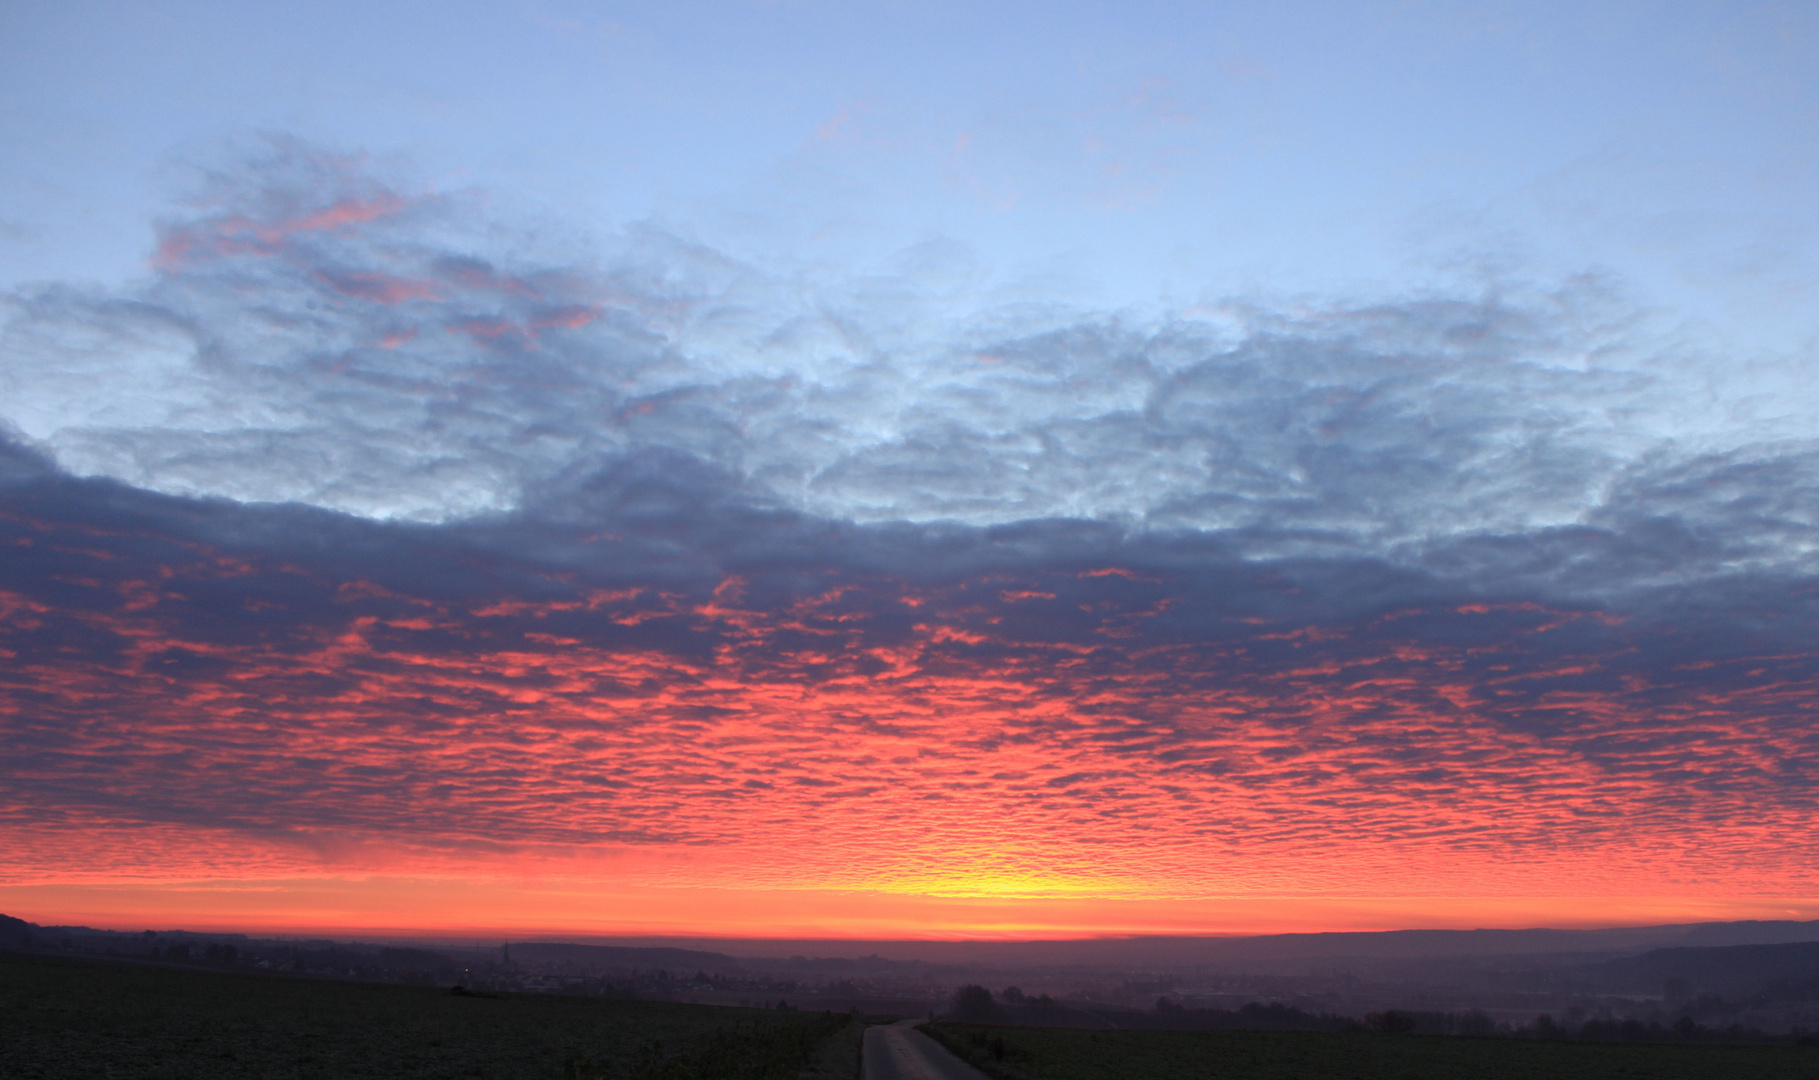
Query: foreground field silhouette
1009, 1053
61, 1018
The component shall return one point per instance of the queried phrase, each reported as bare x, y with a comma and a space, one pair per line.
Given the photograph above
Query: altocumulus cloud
364, 525
312, 335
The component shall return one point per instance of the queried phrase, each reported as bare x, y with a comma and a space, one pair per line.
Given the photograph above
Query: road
899, 1052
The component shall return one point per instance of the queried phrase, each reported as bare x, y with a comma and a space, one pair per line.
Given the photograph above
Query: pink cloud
381, 288
241, 235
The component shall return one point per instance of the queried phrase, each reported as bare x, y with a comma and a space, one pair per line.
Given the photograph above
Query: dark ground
1063, 1054
62, 1018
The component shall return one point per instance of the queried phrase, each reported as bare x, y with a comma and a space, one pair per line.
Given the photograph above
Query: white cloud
314, 337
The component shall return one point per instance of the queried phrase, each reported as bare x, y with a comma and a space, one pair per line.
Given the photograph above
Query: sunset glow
1085, 750
373, 562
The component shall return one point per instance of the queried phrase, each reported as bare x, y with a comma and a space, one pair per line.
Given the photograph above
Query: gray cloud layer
311, 335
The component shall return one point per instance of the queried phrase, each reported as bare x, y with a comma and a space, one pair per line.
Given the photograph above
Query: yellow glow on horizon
1005, 884
403, 907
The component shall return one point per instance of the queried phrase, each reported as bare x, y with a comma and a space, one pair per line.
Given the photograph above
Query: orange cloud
1041, 750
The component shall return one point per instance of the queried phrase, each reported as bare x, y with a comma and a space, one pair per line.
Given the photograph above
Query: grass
1009, 1053
61, 1018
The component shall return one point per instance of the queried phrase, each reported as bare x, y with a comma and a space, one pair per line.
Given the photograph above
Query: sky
908, 470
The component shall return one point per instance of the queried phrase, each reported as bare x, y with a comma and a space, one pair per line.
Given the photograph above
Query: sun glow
967, 879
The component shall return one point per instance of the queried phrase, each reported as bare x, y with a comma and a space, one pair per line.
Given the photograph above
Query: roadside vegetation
1027, 1053
63, 1018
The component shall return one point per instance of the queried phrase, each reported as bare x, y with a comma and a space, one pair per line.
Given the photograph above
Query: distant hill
318, 957
1729, 970
14, 933
1271, 950
1260, 953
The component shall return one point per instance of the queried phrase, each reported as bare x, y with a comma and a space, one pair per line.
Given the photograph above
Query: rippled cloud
310, 334
359, 535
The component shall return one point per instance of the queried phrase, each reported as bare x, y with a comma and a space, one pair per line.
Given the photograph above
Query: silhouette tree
1390, 1022
974, 1003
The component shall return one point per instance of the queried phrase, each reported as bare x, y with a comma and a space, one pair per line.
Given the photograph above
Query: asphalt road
898, 1052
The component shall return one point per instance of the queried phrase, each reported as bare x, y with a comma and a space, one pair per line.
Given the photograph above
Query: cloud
358, 536
812, 700
310, 334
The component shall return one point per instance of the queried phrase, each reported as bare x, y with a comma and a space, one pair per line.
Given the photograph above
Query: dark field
71, 1019
1062, 1054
